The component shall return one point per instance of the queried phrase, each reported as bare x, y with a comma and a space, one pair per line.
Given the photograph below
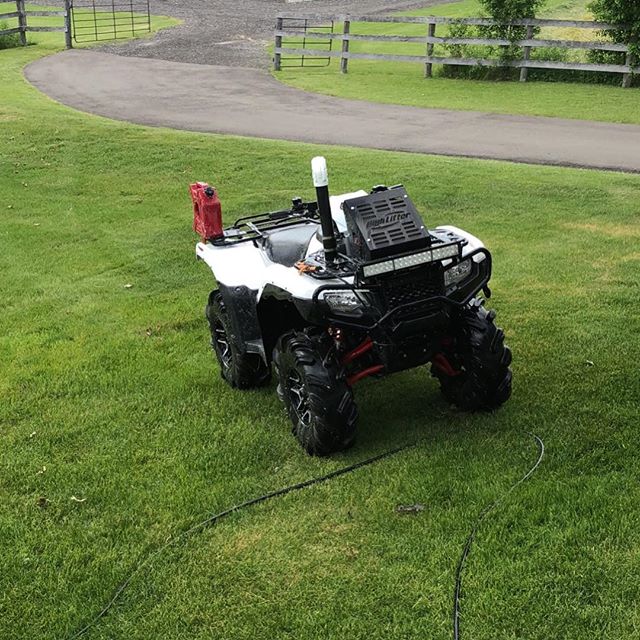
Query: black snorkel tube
321, 183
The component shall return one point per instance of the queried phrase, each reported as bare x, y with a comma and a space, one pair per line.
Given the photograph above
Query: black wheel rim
221, 345
299, 398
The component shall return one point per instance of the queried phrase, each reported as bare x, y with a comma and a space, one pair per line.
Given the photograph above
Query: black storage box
384, 223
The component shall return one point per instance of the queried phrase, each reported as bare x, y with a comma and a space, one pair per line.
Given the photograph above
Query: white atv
347, 287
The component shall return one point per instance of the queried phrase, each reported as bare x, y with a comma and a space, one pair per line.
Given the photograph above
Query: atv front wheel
313, 387
473, 369
239, 368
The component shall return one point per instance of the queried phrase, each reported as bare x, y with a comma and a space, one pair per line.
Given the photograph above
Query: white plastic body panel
245, 264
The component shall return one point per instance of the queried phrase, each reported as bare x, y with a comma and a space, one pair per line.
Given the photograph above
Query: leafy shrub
627, 14
504, 11
608, 57
508, 10
10, 40
459, 30
621, 12
556, 54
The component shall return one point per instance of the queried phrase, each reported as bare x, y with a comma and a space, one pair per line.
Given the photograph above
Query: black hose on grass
218, 516
467, 545
303, 485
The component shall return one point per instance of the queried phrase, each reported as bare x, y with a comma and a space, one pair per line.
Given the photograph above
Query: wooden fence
22, 15
429, 40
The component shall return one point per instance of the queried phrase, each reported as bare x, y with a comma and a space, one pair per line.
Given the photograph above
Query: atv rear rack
253, 227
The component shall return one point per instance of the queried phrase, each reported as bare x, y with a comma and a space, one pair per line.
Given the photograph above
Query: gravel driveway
235, 32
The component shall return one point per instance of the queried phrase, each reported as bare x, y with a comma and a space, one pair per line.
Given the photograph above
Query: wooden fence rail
22, 15
524, 63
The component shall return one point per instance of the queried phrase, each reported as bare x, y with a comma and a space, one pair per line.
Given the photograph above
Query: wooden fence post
277, 59
22, 21
626, 77
428, 67
67, 24
344, 59
524, 71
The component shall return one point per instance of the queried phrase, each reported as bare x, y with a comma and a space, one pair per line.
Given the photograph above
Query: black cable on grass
483, 514
211, 520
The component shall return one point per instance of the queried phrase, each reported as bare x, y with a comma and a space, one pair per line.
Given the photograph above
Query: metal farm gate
94, 20
296, 37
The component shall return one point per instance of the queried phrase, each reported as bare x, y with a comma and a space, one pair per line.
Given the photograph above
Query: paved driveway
249, 102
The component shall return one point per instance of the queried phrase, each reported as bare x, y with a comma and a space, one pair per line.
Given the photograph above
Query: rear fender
241, 304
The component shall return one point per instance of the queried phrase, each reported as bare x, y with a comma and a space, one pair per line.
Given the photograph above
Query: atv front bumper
407, 318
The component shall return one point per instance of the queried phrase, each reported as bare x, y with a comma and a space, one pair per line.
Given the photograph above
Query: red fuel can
207, 211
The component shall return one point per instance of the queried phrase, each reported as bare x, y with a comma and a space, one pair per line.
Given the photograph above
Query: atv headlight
458, 272
343, 302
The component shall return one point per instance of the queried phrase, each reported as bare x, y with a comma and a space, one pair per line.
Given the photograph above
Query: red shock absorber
364, 347
442, 363
351, 380
360, 350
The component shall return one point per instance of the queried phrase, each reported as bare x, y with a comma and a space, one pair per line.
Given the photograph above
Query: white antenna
319, 172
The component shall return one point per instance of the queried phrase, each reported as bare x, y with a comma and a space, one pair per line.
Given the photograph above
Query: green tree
504, 11
625, 13
507, 10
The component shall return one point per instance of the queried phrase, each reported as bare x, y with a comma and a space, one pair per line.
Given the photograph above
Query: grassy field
116, 431
403, 83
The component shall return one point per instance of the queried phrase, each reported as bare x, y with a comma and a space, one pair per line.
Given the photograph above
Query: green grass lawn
403, 83
116, 431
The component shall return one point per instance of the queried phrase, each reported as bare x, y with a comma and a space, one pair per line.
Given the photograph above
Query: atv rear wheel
239, 368
473, 369
313, 387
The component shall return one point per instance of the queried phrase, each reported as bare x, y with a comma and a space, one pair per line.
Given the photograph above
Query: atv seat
287, 246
